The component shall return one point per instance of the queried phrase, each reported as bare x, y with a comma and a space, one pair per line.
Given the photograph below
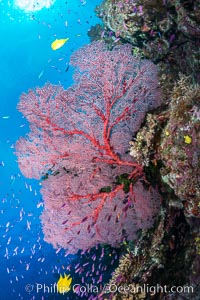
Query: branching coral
143, 146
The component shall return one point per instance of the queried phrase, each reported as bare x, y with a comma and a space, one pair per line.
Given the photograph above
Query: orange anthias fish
58, 43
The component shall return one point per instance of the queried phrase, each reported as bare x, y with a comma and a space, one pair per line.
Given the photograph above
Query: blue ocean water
27, 61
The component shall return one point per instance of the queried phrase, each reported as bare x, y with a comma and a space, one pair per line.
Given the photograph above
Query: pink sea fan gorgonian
79, 142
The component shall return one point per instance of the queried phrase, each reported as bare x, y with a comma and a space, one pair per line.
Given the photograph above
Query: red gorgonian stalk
78, 143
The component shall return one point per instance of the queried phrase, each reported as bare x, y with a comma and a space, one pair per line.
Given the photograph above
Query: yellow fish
58, 43
64, 284
187, 139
